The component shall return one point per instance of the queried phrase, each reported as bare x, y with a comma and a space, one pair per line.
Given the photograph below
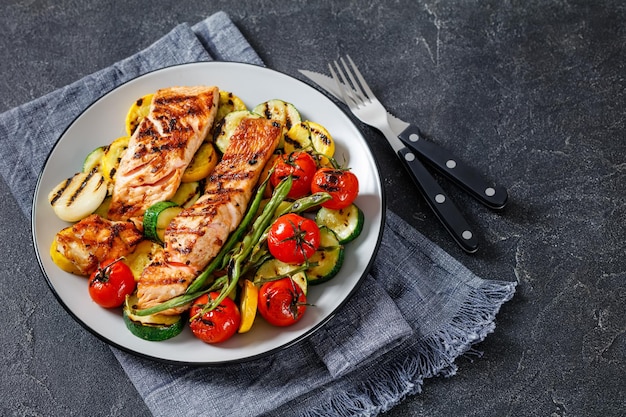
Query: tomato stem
104, 272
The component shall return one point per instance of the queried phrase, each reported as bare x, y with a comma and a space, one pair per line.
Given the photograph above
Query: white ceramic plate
103, 122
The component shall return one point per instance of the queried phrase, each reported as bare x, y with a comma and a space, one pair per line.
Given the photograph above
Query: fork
362, 102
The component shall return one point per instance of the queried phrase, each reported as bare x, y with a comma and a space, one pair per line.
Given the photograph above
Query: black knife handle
444, 208
493, 196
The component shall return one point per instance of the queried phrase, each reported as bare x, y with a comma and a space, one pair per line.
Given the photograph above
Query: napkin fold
417, 310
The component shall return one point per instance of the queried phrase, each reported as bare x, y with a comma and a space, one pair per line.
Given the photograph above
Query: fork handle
492, 196
444, 207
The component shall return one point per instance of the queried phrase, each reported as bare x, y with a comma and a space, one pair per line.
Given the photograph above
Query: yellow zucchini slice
311, 137
228, 103
187, 194
141, 257
112, 156
249, 299
201, 164
137, 112
61, 260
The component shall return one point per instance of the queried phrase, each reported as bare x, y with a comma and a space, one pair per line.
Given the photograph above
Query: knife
491, 195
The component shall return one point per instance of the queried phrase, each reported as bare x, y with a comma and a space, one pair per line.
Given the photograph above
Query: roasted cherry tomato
111, 283
281, 302
301, 166
342, 185
293, 239
217, 325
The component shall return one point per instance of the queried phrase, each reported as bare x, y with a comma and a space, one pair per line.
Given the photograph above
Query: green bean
250, 241
180, 300
219, 261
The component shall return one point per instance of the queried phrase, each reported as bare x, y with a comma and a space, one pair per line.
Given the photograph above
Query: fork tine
340, 86
346, 90
369, 93
358, 91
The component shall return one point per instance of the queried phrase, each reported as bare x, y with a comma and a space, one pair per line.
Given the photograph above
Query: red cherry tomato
217, 325
301, 166
342, 185
293, 239
111, 283
281, 302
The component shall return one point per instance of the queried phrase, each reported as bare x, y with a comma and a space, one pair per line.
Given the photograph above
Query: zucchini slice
311, 137
228, 103
282, 112
156, 219
137, 112
94, 159
155, 327
60, 259
187, 194
327, 260
77, 197
227, 127
274, 269
112, 155
201, 164
347, 223
249, 299
141, 257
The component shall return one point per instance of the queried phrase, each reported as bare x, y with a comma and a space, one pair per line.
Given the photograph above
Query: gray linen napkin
416, 312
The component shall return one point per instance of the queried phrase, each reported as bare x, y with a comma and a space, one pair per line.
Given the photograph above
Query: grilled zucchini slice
94, 159
228, 103
347, 223
137, 112
60, 259
282, 112
327, 260
274, 269
227, 127
249, 299
156, 219
311, 137
155, 327
201, 164
187, 194
141, 257
112, 156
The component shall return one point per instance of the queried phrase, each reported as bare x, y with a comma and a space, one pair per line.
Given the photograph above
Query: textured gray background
529, 92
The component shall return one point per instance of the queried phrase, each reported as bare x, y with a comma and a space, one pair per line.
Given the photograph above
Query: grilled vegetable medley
208, 214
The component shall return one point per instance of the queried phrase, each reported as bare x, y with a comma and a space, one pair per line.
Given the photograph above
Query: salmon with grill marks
161, 147
95, 239
197, 234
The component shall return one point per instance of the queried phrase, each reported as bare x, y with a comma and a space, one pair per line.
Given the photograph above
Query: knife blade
491, 195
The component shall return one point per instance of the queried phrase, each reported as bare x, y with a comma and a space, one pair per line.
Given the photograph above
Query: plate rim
298, 339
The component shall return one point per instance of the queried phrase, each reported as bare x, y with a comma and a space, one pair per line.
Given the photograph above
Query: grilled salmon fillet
95, 239
161, 147
197, 234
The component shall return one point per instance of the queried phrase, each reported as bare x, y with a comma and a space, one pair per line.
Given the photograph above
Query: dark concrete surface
532, 93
